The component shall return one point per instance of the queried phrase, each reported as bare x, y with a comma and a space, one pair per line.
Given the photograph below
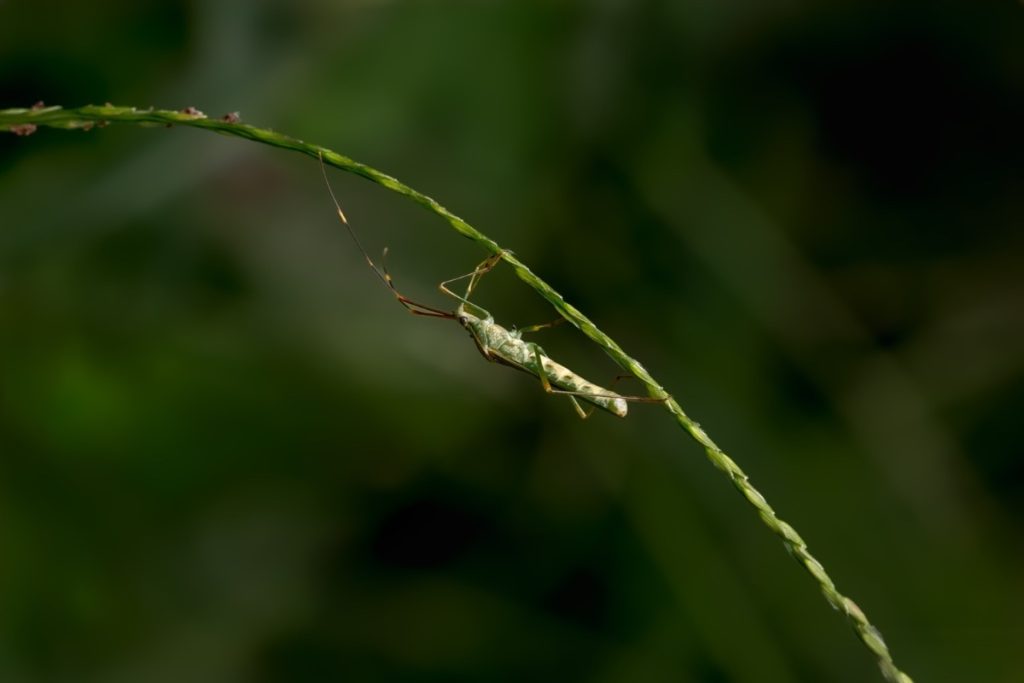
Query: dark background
227, 455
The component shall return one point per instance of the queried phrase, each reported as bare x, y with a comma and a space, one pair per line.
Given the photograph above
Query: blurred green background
227, 455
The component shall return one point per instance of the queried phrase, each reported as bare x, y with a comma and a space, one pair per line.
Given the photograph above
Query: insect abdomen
497, 341
567, 380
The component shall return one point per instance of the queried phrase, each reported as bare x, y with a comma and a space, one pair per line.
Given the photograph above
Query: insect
496, 343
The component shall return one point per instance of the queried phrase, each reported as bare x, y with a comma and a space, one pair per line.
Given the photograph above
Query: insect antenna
381, 272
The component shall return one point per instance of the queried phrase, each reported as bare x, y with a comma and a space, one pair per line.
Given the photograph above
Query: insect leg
474, 277
540, 369
481, 270
609, 397
546, 384
637, 399
584, 414
534, 328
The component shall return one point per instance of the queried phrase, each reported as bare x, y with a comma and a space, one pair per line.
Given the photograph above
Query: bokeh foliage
227, 455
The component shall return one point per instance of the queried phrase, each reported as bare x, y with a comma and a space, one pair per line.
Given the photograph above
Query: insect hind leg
638, 399
538, 354
608, 400
584, 414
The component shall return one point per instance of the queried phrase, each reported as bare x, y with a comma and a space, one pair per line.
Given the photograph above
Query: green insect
499, 344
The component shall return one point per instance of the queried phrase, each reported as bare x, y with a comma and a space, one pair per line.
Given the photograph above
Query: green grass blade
24, 122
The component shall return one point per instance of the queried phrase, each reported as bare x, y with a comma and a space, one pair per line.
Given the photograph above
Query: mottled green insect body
505, 346
499, 344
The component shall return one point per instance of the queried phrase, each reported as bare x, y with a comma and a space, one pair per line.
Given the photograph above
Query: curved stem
25, 121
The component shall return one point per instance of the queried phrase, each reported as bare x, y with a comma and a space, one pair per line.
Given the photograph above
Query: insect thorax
498, 343
494, 338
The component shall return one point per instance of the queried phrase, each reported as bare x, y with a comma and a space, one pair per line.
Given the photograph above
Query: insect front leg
474, 277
